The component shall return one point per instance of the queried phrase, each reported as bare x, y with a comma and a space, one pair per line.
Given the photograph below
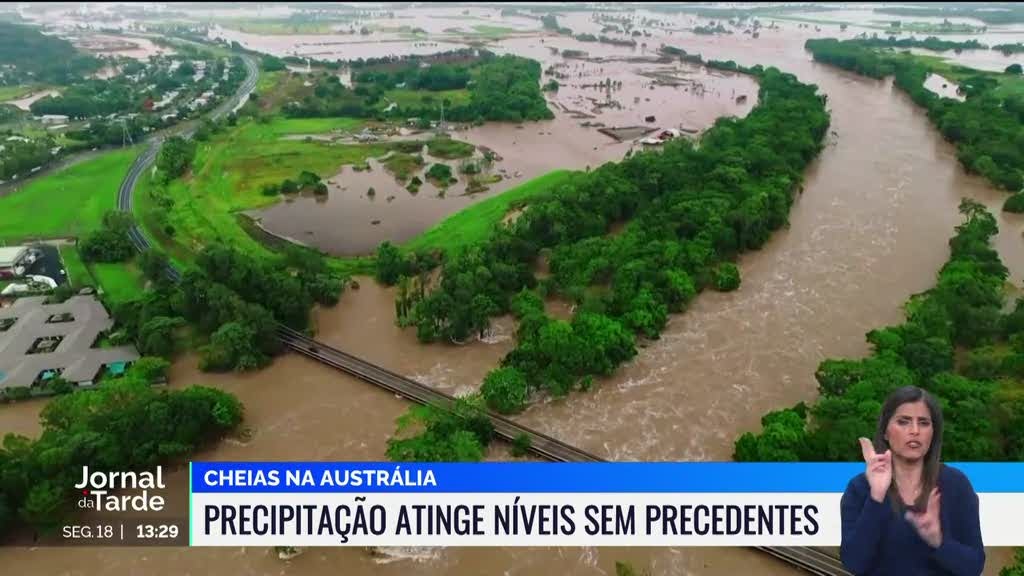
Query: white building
13, 260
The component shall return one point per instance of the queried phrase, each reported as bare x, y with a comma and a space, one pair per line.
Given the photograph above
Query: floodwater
351, 221
869, 230
943, 87
335, 46
129, 46
637, 91
26, 101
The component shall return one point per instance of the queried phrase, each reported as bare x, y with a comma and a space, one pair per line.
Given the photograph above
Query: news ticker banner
545, 504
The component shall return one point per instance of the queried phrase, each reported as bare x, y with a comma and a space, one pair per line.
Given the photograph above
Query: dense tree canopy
690, 209
110, 243
124, 424
175, 157
505, 88
27, 55
930, 43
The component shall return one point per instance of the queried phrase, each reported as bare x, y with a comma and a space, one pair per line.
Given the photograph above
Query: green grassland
449, 149
120, 281
403, 165
78, 274
476, 222
406, 98
268, 80
70, 202
279, 126
274, 89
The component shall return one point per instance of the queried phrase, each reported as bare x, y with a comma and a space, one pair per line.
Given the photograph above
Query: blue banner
541, 477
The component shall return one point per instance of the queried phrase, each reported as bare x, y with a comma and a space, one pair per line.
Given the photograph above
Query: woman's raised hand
878, 469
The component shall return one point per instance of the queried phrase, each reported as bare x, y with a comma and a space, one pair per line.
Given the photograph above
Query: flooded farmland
869, 230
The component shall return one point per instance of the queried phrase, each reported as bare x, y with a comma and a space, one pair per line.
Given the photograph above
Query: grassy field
78, 274
16, 92
449, 148
419, 98
403, 166
120, 281
284, 126
268, 80
275, 89
146, 214
476, 222
70, 202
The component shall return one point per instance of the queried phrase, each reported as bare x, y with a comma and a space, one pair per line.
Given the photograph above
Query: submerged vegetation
690, 209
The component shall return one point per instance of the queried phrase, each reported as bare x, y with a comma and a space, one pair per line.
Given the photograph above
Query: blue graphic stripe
540, 477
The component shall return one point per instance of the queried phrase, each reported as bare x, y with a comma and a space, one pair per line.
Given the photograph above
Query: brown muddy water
869, 230
637, 91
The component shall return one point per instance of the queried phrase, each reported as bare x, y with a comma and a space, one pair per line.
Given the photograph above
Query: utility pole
126, 136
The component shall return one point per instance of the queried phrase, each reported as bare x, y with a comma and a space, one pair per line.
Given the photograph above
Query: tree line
122, 425
984, 127
138, 86
27, 55
930, 43
505, 88
982, 401
690, 211
231, 301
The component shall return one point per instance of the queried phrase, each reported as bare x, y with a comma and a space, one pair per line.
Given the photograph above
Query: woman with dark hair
908, 513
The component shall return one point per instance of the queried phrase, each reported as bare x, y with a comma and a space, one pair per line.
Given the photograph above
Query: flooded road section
870, 229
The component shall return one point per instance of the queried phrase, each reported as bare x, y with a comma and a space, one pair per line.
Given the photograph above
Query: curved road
127, 189
810, 560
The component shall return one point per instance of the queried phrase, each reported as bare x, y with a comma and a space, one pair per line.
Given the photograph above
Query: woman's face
909, 432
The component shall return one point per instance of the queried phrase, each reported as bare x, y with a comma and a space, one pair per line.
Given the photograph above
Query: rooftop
55, 337
11, 254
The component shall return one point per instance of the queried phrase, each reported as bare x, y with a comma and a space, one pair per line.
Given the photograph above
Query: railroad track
810, 560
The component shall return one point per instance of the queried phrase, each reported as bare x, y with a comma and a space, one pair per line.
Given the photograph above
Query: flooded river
869, 230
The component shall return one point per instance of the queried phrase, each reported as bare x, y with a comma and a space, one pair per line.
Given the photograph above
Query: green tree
153, 264
505, 390
1015, 568
391, 265
156, 336
727, 277
175, 157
